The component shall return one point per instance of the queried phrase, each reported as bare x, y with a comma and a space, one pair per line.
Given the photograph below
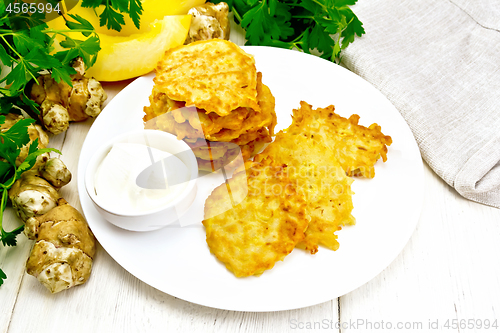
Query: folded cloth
438, 62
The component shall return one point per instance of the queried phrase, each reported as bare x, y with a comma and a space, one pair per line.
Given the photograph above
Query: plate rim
401, 244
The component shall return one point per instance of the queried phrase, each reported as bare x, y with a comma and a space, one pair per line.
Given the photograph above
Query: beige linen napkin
438, 62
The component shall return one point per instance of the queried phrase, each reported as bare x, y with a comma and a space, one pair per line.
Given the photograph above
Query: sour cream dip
116, 179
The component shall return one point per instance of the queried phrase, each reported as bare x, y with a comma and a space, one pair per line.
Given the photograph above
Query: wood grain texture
115, 301
13, 259
13, 263
448, 270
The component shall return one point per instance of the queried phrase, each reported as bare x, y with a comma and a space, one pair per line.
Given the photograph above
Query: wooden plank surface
448, 271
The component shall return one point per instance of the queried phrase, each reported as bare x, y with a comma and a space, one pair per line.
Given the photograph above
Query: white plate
177, 261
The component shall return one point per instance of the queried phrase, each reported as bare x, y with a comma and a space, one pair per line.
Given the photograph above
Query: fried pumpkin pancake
319, 178
357, 147
192, 123
210, 159
216, 147
266, 117
214, 75
198, 119
249, 234
211, 152
158, 105
210, 123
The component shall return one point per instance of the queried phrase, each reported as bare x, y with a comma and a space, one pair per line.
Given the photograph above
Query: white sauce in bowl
163, 178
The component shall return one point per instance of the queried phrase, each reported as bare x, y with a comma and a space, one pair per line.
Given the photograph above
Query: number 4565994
32, 8
471, 324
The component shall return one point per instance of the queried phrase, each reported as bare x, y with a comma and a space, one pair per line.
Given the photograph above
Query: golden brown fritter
255, 223
265, 118
320, 148
212, 137
193, 123
214, 75
319, 178
357, 148
210, 95
214, 155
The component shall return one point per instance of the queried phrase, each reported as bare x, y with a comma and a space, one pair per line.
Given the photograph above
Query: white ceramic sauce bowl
155, 218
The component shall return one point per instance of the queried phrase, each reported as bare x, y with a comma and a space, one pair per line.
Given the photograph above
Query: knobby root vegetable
209, 21
31, 195
64, 249
35, 193
65, 246
61, 103
34, 131
55, 172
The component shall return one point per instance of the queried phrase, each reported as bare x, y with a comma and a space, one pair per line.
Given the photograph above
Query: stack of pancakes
210, 95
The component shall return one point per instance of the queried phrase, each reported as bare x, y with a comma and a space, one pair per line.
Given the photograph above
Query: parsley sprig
26, 50
26, 45
112, 16
11, 142
322, 26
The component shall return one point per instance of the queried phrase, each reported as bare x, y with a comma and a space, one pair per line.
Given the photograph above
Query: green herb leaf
2, 276
112, 16
80, 24
92, 3
9, 238
30, 160
20, 75
7, 102
323, 26
41, 59
63, 73
135, 12
86, 49
16, 136
111, 19
264, 22
12, 139
5, 168
26, 45
354, 28
4, 57
22, 41
345, 3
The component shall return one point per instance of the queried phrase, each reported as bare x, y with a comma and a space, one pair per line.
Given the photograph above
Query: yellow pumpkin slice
152, 10
123, 58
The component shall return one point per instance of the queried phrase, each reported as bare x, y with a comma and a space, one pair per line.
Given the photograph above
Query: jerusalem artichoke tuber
65, 246
209, 21
31, 195
61, 103
34, 132
55, 172
35, 193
